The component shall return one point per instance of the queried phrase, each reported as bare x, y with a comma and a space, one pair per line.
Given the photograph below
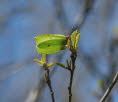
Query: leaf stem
110, 88
48, 81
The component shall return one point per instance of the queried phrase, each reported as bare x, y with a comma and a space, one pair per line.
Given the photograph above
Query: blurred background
22, 80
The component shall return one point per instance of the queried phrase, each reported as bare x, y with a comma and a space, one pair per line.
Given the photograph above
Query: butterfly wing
50, 43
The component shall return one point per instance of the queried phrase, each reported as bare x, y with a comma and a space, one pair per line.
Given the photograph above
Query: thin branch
73, 58
110, 88
48, 81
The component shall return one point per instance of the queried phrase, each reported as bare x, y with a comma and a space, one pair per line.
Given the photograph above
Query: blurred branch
9, 69
61, 14
88, 5
62, 17
110, 88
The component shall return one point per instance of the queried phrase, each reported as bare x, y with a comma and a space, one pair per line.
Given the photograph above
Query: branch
110, 88
73, 58
48, 81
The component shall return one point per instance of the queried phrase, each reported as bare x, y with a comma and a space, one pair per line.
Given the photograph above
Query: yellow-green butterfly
51, 43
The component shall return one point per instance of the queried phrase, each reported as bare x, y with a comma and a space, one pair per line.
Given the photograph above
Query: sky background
22, 80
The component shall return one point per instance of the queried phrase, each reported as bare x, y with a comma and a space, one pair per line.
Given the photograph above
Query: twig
73, 58
48, 81
110, 88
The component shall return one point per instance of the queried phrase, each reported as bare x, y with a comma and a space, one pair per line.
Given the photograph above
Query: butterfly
50, 43
54, 43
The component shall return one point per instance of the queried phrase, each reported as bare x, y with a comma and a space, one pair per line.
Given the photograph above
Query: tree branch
110, 88
48, 81
73, 58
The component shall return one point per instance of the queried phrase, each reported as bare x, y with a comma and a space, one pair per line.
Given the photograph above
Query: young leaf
39, 62
50, 43
61, 65
73, 37
73, 41
77, 40
50, 65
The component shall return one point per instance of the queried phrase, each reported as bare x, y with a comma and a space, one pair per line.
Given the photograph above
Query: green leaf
50, 43
73, 37
50, 65
61, 65
77, 40
39, 62
73, 41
